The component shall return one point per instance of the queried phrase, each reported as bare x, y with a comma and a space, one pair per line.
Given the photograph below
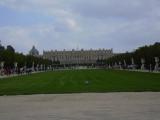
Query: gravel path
102, 106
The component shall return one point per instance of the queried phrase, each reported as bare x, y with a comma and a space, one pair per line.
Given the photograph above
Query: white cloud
122, 25
19, 37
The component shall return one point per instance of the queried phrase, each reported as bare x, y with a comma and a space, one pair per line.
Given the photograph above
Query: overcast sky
65, 24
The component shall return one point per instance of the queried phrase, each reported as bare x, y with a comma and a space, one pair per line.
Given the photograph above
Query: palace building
78, 56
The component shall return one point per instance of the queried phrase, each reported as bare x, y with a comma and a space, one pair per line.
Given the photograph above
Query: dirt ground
93, 106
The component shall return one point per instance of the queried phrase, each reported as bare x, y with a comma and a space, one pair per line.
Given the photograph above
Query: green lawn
75, 82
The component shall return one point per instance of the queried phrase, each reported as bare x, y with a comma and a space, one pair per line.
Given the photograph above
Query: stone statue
41, 67
25, 67
109, 66
37, 68
15, 66
115, 65
143, 64
133, 64
2, 65
125, 64
156, 68
120, 65
32, 66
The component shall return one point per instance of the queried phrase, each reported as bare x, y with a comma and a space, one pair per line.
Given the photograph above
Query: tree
10, 48
146, 52
1, 47
7, 57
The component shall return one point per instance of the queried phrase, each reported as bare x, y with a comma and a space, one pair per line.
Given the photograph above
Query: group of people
10, 71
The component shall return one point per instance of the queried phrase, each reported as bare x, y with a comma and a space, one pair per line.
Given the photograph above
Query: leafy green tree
146, 52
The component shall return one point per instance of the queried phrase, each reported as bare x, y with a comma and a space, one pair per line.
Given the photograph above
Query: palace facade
78, 56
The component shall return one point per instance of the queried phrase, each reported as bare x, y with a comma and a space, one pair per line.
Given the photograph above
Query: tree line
9, 57
148, 53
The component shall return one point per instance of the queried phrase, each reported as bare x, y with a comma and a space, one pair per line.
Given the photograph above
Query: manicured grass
75, 82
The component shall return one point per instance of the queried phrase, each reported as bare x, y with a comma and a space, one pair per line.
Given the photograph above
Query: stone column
156, 68
143, 64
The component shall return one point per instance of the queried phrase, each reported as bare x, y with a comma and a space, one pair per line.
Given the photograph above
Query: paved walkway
107, 106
